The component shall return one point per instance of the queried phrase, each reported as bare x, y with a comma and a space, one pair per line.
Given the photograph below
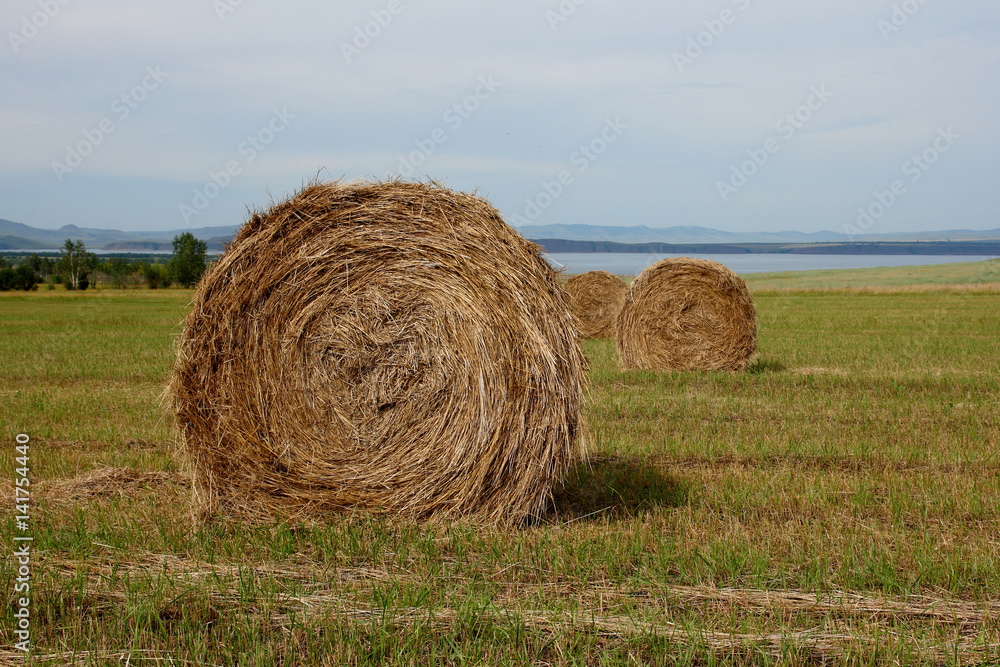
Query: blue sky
743, 115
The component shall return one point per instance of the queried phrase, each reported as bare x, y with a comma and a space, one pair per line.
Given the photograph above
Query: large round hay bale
595, 298
687, 314
393, 347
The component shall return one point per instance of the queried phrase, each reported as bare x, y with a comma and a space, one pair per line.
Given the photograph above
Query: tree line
78, 269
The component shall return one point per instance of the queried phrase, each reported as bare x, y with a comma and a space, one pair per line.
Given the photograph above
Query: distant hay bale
595, 298
393, 347
687, 314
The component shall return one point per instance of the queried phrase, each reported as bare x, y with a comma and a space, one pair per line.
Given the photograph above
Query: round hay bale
687, 314
394, 347
595, 298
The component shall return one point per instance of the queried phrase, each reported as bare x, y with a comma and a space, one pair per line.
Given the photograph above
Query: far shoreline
938, 248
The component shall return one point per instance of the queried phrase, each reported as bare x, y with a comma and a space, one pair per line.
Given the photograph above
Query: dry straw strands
109, 483
595, 298
687, 314
394, 347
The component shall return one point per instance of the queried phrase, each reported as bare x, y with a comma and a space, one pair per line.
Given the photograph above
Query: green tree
35, 262
118, 271
188, 263
42, 266
25, 277
155, 275
75, 263
48, 266
20, 276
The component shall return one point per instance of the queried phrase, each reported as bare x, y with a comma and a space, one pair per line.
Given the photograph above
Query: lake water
630, 264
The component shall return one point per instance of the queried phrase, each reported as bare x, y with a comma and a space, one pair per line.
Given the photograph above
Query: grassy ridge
840, 501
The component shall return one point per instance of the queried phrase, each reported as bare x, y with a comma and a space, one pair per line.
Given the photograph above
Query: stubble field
837, 503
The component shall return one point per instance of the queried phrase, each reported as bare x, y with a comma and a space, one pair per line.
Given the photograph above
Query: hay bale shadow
612, 485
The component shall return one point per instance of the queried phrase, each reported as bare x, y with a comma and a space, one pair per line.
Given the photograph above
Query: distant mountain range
706, 235
17, 236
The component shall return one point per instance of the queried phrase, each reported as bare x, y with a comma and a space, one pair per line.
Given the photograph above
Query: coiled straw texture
393, 347
687, 314
595, 298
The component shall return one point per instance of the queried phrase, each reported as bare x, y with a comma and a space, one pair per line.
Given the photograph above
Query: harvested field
836, 503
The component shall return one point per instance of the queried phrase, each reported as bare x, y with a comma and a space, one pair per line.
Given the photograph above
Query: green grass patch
958, 275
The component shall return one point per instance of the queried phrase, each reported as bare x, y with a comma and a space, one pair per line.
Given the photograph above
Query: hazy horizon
534, 224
